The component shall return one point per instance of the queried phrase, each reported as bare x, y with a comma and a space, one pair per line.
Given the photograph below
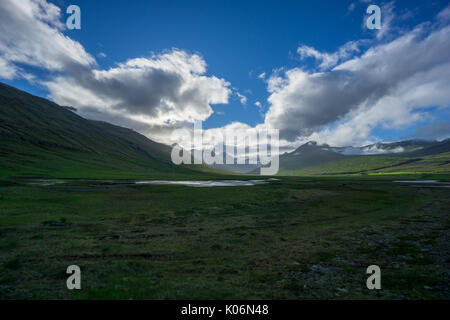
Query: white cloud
390, 85
242, 98
161, 89
31, 33
444, 15
387, 19
7, 70
212, 136
328, 60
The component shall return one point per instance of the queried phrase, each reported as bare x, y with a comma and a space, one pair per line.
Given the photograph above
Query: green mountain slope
433, 149
312, 159
39, 138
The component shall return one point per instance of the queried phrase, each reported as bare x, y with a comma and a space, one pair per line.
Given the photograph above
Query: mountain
41, 138
432, 149
307, 155
404, 156
384, 148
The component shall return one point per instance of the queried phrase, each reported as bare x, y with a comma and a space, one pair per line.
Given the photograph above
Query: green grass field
439, 163
296, 238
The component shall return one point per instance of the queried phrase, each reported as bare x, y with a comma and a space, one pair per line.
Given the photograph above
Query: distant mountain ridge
407, 156
385, 147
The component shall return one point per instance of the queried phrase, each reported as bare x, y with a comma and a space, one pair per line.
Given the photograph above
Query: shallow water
417, 181
45, 182
208, 183
189, 183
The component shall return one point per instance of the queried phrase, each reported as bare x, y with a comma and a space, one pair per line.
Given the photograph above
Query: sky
311, 69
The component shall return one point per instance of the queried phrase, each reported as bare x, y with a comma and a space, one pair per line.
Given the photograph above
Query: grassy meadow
295, 238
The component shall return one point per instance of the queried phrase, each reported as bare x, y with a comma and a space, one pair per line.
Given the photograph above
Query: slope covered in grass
40, 138
312, 159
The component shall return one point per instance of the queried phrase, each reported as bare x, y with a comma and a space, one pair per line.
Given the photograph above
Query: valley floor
296, 238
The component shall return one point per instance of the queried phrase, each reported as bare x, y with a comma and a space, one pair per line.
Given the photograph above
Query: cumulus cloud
145, 93
161, 89
389, 85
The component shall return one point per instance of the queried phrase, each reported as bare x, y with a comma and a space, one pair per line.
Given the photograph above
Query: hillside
407, 157
39, 138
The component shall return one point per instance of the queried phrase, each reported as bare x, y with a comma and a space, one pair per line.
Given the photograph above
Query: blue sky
239, 41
